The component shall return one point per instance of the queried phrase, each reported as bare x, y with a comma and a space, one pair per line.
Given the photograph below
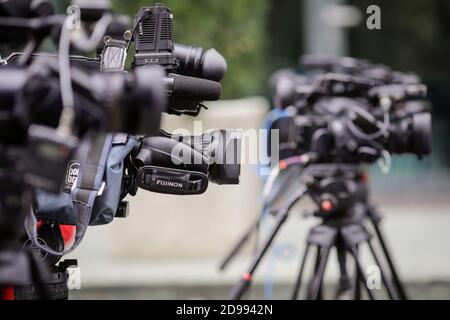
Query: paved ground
432, 290
419, 238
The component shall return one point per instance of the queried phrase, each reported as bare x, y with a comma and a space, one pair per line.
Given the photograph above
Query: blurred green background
259, 37
232, 27
235, 28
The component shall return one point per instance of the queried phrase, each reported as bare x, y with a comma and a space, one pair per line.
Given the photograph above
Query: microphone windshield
195, 88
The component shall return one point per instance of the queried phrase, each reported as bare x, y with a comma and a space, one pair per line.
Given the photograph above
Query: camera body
193, 75
155, 45
357, 115
183, 165
120, 102
175, 164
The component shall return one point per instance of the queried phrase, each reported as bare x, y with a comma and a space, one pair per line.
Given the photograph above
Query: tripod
341, 194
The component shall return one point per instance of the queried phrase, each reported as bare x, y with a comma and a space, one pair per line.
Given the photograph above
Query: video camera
350, 111
50, 115
193, 75
177, 164
56, 105
102, 88
48, 109
168, 163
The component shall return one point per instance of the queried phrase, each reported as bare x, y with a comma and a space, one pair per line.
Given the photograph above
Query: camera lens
422, 133
283, 84
222, 152
226, 167
195, 62
412, 134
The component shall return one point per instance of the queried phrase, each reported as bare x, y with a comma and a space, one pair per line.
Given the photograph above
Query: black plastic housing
153, 37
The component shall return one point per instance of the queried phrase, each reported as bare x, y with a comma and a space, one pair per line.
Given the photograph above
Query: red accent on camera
7, 293
68, 234
326, 205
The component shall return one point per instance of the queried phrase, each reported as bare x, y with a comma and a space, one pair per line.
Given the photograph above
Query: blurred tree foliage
415, 36
235, 28
284, 35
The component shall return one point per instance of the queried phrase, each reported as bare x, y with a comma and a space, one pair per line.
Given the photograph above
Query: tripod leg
243, 240
361, 272
357, 280
390, 290
345, 284
395, 278
316, 268
298, 282
315, 291
244, 283
37, 273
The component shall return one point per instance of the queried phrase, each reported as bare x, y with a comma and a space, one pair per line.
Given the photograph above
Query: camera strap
3, 62
88, 185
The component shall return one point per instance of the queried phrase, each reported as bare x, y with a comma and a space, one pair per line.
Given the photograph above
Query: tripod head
336, 189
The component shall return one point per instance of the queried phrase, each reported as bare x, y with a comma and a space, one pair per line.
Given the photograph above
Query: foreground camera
115, 102
130, 102
60, 121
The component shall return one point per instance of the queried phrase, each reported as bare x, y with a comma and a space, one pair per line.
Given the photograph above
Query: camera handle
246, 279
